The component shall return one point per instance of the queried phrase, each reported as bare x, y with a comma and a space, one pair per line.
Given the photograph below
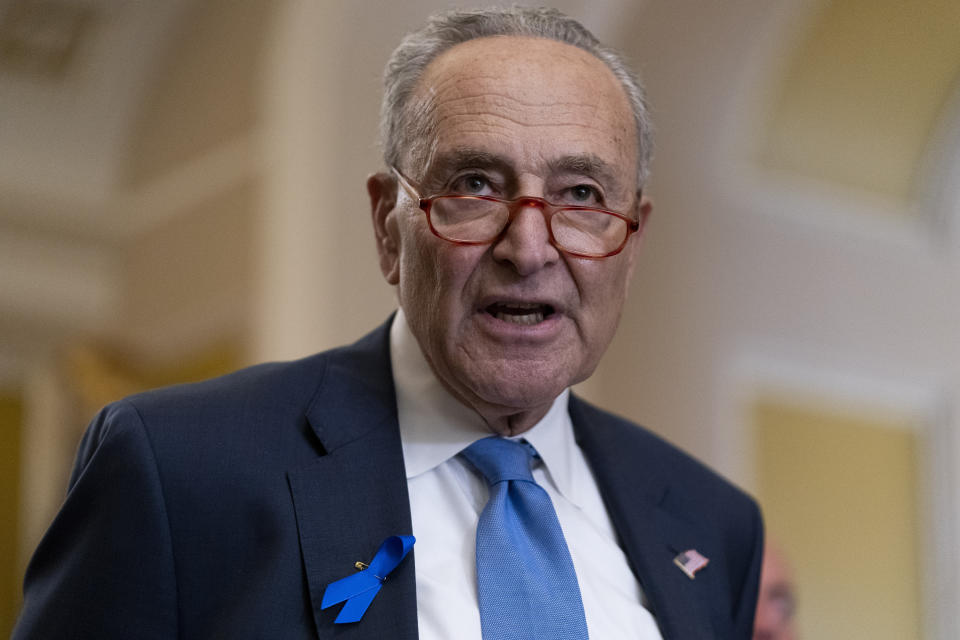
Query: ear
382, 189
644, 209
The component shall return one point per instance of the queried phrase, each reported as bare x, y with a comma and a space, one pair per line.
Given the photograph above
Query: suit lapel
354, 496
634, 490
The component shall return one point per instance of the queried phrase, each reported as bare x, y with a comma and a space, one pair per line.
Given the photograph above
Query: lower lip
505, 330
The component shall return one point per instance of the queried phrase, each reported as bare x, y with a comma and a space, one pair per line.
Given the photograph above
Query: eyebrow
442, 165
467, 157
586, 164
583, 163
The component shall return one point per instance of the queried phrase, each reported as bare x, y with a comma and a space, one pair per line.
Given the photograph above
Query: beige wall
841, 490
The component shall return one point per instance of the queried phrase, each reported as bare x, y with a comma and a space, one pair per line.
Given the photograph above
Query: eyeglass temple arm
402, 180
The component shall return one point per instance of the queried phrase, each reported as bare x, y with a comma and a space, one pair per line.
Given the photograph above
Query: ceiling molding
830, 206
183, 188
137, 210
67, 138
861, 93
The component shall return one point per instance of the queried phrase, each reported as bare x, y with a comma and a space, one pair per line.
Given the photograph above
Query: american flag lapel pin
690, 562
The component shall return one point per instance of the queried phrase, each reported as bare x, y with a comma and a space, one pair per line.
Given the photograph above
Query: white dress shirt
447, 496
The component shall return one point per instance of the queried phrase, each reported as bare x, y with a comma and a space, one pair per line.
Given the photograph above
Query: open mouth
525, 313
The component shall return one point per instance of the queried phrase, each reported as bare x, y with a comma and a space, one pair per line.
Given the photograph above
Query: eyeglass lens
589, 232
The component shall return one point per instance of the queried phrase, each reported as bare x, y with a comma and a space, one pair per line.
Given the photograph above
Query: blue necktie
527, 585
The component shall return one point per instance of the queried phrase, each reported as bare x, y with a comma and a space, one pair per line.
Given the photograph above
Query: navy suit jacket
223, 509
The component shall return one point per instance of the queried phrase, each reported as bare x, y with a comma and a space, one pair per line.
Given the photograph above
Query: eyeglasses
584, 232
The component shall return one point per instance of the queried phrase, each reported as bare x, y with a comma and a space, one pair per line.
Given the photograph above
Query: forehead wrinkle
496, 104
464, 124
468, 71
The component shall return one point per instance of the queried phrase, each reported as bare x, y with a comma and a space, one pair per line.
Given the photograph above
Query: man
508, 219
777, 604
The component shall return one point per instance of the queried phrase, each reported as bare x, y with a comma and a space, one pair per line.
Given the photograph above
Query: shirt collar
435, 426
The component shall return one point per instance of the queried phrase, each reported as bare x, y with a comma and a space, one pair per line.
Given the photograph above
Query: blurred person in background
284, 500
778, 600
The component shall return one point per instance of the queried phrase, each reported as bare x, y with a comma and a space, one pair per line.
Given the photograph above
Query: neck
502, 420
514, 424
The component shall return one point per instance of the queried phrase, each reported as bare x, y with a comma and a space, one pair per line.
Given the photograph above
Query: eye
582, 194
472, 184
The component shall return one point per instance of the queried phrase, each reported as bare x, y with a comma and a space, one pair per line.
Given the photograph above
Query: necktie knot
499, 459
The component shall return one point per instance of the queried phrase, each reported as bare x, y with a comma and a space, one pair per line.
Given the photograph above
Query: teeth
518, 312
526, 318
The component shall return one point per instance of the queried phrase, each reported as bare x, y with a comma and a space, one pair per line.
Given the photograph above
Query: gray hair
404, 127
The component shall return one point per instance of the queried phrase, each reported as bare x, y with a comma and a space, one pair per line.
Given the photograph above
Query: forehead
530, 99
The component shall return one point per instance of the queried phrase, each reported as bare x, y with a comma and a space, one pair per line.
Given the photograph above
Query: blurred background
182, 193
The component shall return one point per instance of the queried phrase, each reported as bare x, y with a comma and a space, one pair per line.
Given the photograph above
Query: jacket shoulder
629, 440
259, 413
277, 389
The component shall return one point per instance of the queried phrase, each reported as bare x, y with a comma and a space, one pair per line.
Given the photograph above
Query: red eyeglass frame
547, 209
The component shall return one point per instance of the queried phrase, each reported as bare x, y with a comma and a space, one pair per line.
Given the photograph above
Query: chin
521, 391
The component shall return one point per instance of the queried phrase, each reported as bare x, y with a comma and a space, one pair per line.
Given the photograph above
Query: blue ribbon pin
360, 588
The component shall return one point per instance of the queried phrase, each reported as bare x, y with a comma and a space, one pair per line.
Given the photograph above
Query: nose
525, 243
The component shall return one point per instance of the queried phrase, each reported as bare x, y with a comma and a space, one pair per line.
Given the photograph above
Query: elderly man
283, 501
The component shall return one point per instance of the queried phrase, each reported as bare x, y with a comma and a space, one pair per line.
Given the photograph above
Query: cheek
603, 289
434, 273
418, 272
